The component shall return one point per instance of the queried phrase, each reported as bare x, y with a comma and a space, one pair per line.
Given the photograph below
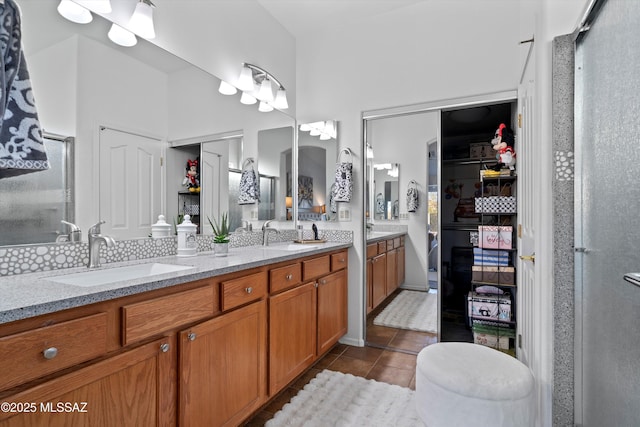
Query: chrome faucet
75, 235
246, 226
95, 239
265, 232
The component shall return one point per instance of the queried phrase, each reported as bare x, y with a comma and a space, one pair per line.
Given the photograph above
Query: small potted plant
221, 235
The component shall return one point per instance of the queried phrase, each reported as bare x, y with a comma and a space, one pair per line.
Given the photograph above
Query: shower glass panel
607, 221
33, 205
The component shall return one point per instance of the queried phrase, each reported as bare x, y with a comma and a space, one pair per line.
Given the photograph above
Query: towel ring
414, 183
346, 151
248, 161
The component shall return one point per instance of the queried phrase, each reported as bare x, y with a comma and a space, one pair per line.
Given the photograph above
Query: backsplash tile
34, 258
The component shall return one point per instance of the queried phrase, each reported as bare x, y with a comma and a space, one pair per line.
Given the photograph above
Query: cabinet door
379, 279
392, 272
332, 309
135, 388
292, 334
401, 265
223, 368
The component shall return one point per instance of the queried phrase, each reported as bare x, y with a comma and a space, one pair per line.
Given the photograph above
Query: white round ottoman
463, 384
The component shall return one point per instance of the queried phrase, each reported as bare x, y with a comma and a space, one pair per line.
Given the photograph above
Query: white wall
428, 51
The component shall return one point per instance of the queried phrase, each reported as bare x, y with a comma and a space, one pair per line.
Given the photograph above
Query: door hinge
519, 340
519, 231
161, 161
519, 120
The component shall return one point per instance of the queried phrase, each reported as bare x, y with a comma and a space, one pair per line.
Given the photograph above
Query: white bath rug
413, 310
337, 399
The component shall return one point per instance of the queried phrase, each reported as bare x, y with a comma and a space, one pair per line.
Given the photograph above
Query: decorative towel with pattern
249, 184
21, 146
413, 201
343, 183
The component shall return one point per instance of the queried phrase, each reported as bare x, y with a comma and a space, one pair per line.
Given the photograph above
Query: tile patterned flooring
389, 356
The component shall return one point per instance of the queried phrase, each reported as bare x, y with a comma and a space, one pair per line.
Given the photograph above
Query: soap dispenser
187, 245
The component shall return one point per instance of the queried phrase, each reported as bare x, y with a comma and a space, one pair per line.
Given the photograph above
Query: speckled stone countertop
376, 236
29, 295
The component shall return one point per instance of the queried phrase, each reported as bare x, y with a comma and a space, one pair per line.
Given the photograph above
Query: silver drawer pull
289, 276
191, 336
50, 353
164, 347
323, 282
248, 290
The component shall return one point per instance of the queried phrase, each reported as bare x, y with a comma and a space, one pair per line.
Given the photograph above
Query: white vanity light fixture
226, 88
74, 12
252, 77
141, 22
369, 151
121, 36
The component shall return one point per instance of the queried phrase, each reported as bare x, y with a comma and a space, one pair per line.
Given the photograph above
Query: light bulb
305, 127
325, 136
247, 99
281, 100
226, 89
74, 12
141, 21
314, 131
264, 107
122, 37
265, 94
245, 81
330, 128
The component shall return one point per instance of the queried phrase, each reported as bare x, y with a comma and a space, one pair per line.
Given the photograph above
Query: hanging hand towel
21, 146
249, 185
413, 201
333, 206
343, 183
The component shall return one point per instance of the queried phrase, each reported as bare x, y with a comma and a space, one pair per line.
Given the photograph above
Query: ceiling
301, 17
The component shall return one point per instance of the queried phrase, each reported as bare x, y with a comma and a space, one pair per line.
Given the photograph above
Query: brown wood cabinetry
385, 270
209, 352
292, 334
133, 388
223, 368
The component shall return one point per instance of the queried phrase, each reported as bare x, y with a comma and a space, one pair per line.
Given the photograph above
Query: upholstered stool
463, 384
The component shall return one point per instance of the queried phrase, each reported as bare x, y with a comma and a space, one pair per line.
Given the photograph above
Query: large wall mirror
112, 98
317, 157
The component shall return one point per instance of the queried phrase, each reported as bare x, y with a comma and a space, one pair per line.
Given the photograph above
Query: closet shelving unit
492, 315
189, 204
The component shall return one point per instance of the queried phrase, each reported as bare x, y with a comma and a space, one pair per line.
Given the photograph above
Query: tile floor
389, 356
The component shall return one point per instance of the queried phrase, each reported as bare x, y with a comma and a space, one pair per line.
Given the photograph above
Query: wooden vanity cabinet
133, 388
307, 320
385, 270
223, 368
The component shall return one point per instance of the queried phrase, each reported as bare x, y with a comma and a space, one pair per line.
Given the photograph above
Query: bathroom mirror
275, 170
317, 156
386, 191
143, 94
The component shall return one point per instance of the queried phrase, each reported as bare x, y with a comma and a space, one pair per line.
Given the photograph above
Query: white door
214, 181
130, 183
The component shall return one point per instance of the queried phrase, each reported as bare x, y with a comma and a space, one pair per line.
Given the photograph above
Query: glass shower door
608, 219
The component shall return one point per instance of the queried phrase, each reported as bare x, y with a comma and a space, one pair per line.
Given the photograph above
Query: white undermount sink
118, 274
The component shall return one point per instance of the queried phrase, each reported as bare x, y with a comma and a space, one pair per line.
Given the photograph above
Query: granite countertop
376, 236
34, 294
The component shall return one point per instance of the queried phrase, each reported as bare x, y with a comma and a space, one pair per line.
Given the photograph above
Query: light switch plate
344, 214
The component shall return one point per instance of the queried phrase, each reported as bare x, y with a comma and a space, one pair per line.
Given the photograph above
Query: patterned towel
21, 146
343, 182
413, 201
249, 187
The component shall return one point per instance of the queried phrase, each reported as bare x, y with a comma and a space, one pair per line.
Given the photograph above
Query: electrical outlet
404, 216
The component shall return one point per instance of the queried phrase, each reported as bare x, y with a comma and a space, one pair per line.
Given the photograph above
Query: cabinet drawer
382, 247
390, 244
316, 267
245, 289
285, 277
372, 250
32, 354
339, 261
397, 243
148, 318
